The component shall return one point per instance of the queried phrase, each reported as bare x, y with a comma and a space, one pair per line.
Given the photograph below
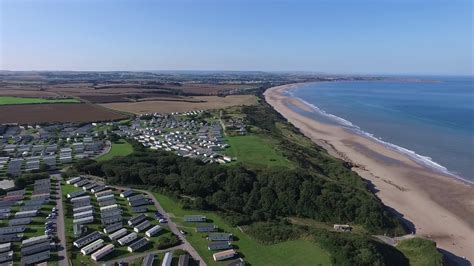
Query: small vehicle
182, 232
162, 220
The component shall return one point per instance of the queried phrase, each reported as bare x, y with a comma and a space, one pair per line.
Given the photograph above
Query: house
167, 259
220, 237
219, 245
102, 252
195, 218
223, 255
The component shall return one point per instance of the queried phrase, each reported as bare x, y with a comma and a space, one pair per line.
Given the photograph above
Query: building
127, 239
223, 255
110, 207
206, 228
126, 193
102, 252
136, 219
73, 180
111, 220
148, 260
34, 240
342, 227
167, 259
82, 209
153, 231
98, 188
40, 247
142, 226
220, 237
24, 214
19, 221
6, 257
105, 198
103, 193
183, 260
219, 245
82, 198
195, 218
35, 258
92, 247
84, 220
79, 243
112, 228
12, 229
237, 262
118, 234
75, 194
138, 244
83, 214
5, 247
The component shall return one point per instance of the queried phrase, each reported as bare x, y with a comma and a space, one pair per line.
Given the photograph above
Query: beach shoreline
437, 206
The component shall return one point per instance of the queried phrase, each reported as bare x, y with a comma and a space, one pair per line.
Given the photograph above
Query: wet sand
436, 206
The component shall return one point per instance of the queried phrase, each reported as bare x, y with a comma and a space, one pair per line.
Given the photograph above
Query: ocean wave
421, 159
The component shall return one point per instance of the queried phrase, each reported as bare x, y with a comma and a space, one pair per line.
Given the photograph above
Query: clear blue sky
359, 36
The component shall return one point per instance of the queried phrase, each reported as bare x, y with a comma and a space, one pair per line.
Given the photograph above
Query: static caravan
138, 244
219, 237
103, 193
107, 203
35, 258
79, 243
6, 256
110, 207
12, 229
98, 188
140, 227
105, 198
118, 234
83, 214
127, 239
137, 219
194, 218
126, 194
82, 209
5, 247
153, 231
89, 186
112, 213
219, 245
136, 197
75, 194
84, 220
25, 214
167, 259
112, 228
226, 254
20, 221
148, 260
34, 240
92, 247
102, 252
25, 251
183, 260
81, 183
73, 180
138, 202
82, 198
111, 220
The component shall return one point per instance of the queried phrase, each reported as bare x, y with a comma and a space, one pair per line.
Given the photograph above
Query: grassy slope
121, 148
256, 150
421, 252
297, 252
6, 100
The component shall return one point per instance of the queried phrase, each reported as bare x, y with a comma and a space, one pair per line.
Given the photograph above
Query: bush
168, 241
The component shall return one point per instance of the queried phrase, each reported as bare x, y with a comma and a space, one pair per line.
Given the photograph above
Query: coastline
438, 206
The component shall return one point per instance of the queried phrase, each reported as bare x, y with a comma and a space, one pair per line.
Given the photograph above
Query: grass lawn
421, 252
7, 100
296, 252
120, 148
256, 150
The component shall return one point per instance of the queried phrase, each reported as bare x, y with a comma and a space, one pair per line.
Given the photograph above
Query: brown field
187, 104
49, 113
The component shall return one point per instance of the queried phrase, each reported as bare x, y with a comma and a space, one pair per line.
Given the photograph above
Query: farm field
120, 148
60, 112
182, 105
296, 252
8, 100
255, 150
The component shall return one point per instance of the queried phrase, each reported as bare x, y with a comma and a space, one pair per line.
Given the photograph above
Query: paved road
173, 227
62, 253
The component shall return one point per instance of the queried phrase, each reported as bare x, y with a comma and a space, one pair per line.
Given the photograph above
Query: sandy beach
437, 206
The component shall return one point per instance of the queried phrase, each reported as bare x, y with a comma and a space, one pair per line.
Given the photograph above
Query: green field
120, 148
256, 150
7, 100
296, 252
421, 252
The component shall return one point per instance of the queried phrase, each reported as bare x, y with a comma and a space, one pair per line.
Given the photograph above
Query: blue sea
430, 120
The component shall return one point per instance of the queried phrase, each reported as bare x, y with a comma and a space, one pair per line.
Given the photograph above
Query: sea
429, 119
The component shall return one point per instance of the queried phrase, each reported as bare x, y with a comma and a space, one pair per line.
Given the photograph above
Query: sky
433, 37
